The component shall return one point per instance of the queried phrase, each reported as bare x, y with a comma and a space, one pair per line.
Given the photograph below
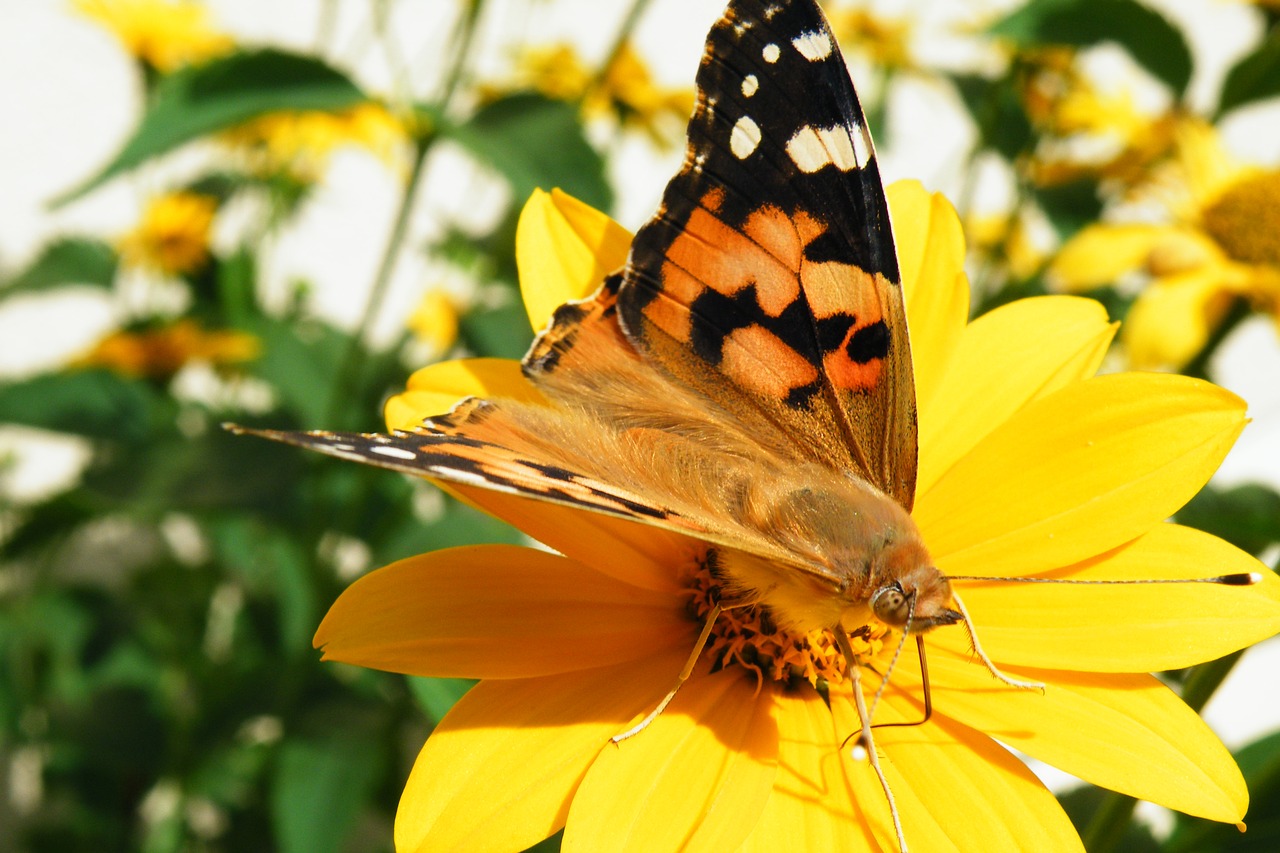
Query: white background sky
70, 97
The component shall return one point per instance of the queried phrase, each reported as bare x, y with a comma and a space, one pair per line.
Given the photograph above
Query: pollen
1245, 219
745, 635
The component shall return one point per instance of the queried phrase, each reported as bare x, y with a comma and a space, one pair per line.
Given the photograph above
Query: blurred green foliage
159, 691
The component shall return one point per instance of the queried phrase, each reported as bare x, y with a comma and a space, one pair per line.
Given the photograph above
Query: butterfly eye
891, 605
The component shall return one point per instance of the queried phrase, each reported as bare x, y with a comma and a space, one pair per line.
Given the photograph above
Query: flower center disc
745, 635
1245, 219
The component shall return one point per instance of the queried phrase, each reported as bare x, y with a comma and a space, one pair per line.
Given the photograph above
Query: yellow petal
1171, 320
695, 779
1125, 732
1102, 253
1006, 358
497, 611
499, 771
812, 806
931, 256
435, 389
1077, 473
1130, 627
955, 789
564, 250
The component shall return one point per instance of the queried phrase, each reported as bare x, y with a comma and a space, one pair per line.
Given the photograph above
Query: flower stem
425, 135
628, 25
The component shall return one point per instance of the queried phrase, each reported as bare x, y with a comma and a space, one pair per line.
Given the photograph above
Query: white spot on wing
749, 85
771, 53
394, 452
813, 148
813, 46
744, 138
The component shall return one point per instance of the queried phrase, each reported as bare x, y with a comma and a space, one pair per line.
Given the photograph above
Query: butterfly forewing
768, 280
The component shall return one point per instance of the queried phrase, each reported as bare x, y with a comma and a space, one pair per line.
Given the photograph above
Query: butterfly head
918, 597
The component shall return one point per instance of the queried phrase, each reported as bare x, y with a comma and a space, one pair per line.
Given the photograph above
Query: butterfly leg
680, 679
982, 655
866, 743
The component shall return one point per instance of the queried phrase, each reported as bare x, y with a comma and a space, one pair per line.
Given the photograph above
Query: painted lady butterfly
746, 377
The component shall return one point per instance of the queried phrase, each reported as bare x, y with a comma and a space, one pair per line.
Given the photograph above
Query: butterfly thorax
857, 556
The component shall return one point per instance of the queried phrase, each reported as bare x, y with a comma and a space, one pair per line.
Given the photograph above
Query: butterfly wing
607, 433
768, 279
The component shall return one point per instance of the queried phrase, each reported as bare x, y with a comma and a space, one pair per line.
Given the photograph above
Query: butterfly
746, 377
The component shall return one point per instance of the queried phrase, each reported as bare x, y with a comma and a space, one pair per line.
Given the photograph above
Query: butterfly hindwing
768, 280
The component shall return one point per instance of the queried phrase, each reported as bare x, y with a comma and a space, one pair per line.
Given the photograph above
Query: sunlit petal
1131, 627
435, 389
1078, 472
931, 257
564, 250
695, 779
1007, 358
497, 611
498, 772
1171, 320
812, 806
1109, 729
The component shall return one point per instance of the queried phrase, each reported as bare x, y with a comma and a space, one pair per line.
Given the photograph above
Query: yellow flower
627, 92
161, 352
165, 34
885, 41
301, 142
173, 236
435, 321
1028, 467
1007, 239
1220, 240
1087, 132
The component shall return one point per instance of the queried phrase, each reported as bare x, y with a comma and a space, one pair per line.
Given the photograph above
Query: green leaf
71, 260
320, 788
1246, 516
501, 332
997, 112
1070, 206
437, 695
221, 94
1148, 36
535, 142
300, 359
215, 470
91, 403
1255, 77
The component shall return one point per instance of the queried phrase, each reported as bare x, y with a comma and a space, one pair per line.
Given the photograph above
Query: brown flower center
1245, 220
747, 636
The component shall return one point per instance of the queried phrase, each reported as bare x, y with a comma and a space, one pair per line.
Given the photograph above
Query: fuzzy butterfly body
746, 377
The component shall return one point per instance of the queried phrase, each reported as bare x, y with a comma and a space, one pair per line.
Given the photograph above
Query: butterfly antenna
982, 655
1238, 579
866, 745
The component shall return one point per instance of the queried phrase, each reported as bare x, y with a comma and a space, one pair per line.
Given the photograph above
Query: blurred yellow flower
435, 321
301, 142
626, 93
1087, 132
165, 34
1220, 239
161, 352
173, 236
884, 41
1006, 239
